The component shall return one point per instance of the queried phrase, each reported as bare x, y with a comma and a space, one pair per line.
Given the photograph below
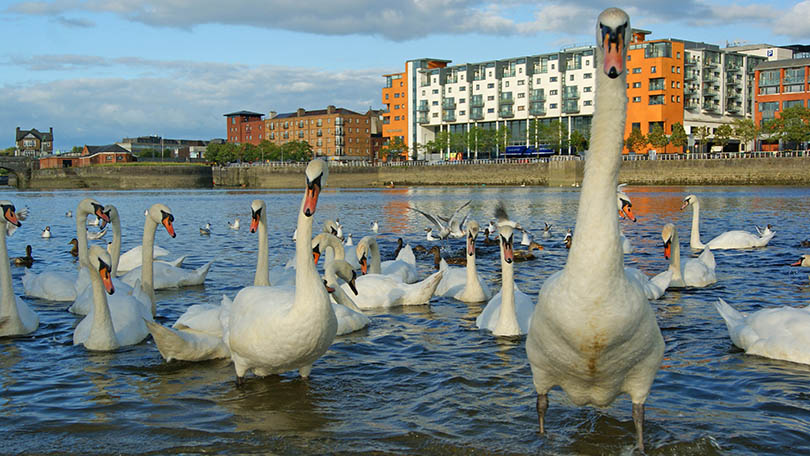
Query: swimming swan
465, 284
694, 272
17, 318
736, 239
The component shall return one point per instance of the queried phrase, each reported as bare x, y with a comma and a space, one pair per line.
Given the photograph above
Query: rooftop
784, 63
243, 113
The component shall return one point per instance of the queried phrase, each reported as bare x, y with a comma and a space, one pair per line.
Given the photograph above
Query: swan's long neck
596, 247
472, 269
262, 277
147, 266
507, 319
338, 250
341, 297
675, 257
376, 267
81, 235
694, 240
101, 330
308, 287
8, 302
115, 247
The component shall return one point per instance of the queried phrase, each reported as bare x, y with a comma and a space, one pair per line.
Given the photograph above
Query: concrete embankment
122, 177
758, 171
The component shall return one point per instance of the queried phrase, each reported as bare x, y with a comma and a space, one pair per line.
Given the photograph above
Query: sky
101, 70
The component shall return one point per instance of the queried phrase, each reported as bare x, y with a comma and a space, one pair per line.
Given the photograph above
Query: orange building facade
780, 84
395, 100
654, 86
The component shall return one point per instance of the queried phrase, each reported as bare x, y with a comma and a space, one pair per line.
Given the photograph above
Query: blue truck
528, 151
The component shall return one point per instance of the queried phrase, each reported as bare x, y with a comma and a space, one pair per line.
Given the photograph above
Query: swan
63, 286
108, 327
464, 284
804, 261
234, 225
16, 316
198, 334
26, 260
271, 330
429, 235
96, 236
451, 227
403, 268
382, 291
695, 272
736, 239
546, 231
205, 230
46, 233
777, 333
133, 258
593, 332
509, 312
654, 287
349, 317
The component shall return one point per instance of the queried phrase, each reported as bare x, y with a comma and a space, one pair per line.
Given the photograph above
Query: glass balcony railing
423, 107
477, 101
449, 116
422, 119
710, 107
537, 96
570, 107
506, 99
449, 103
793, 80
476, 113
537, 109
506, 111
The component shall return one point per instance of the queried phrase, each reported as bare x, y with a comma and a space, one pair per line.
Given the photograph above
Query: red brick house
90, 155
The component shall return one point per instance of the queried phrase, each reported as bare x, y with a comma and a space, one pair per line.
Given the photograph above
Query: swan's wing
99, 235
430, 218
406, 255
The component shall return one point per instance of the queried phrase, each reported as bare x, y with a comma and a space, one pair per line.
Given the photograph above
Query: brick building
33, 143
90, 155
245, 127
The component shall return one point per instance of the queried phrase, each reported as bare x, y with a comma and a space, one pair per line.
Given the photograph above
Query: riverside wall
751, 171
122, 177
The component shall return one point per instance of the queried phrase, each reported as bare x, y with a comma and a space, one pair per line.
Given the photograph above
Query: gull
447, 227
205, 230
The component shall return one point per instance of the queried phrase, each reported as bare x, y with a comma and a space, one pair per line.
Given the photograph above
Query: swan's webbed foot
638, 420
542, 406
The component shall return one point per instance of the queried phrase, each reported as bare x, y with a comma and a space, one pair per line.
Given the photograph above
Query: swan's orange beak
106, 279
316, 254
628, 212
11, 216
470, 245
167, 223
99, 211
311, 198
363, 265
667, 249
798, 263
613, 45
254, 220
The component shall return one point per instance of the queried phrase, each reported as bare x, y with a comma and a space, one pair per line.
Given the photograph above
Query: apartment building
170, 148
334, 133
779, 85
245, 127
33, 143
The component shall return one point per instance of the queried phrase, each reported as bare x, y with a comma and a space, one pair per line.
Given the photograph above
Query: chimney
300, 112
330, 109
272, 114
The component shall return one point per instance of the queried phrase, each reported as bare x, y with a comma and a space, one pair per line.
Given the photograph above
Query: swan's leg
542, 406
304, 371
638, 420
240, 381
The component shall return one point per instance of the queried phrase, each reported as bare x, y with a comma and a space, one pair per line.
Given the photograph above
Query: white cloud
795, 23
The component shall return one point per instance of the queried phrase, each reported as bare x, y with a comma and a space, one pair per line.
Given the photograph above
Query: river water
420, 380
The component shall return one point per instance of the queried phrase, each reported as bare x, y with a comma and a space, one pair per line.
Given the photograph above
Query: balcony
713, 107
449, 103
537, 109
691, 62
339, 131
506, 111
570, 107
476, 114
537, 97
570, 95
709, 77
448, 116
710, 92
692, 105
477, 101
768, 81
690, 77
506, 98
423, 107
792, 80
733, 95
708, 63
422, 119
733, 108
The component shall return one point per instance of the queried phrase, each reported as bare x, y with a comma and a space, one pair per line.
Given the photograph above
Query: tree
658, 138
678, 137
723, 134
76, 150
393, 149
555, 134
792, 125
746, 131
702, 134
578, 141
457, 143
296, 151
473, 139
9, 150
535, 132
635, 141
502, 137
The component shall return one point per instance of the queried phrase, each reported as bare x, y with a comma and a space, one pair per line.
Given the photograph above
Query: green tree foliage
792, 125
299, 151
635, 141
702, 134
394, 149
555, 134
678, 137
76, 149
579, 141
723, 134
658, 139
502, 137
746, 131
8, 150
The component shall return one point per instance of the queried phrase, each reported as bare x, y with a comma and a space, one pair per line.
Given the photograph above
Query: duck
403, 268
735, 239
108, 327
464, 284
546, 234
205, 230
777, 333
234, 225
593, 331
804, 261
63, 286
447, 227
74, 250
569, 239
46, 233
487, 240
436, 251
272, 330
804, 243
519, 256
26, 260
694, 272
17, 318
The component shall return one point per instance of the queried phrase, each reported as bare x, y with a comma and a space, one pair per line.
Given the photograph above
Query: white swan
509, 312
349, 317
403, 268
63, 286
234, 225
777, 333
694, 272
593, 332
133, 258
464, 283
16, 316
272, 330
46, 233
736, 239
654, 287
108, 327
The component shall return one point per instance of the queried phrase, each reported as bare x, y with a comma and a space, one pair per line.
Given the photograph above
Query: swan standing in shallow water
593, 332
271, 330
776, 333
465, 284
17, 318
736, 239
694, 272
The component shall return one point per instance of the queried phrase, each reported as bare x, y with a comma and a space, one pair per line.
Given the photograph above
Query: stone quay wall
122, 177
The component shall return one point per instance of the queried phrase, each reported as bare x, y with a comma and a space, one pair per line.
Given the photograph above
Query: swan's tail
707, 258
406, 255
738, 330
659, 284
185, 346
197, 277
421, 292
178, 262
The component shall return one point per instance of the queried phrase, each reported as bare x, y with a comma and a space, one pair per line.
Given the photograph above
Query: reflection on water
418, 380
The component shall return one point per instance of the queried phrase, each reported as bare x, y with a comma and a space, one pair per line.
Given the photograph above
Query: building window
636, 70
636, 99
637, 85
490, 110
587, 75
435, 91
587, 89
657, 84
656, 99
553, 79
521, 95
521, 108
491, 98
396, 95
435, 114
462, 89
652, 69
521, 82
491, 85
571, 77
435, 103
461, 113
552, 106
552, 92
636, 126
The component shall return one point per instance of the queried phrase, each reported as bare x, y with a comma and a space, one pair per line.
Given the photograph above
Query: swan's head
316, 180
363, 250
612, 38
112, 215
331, 227
804, 261
342, 269
506, 235
162, 215
9, 212
321, 242
90, 206
668, 235
625, 207
688, 201
257, 209
100, 261
472, 233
